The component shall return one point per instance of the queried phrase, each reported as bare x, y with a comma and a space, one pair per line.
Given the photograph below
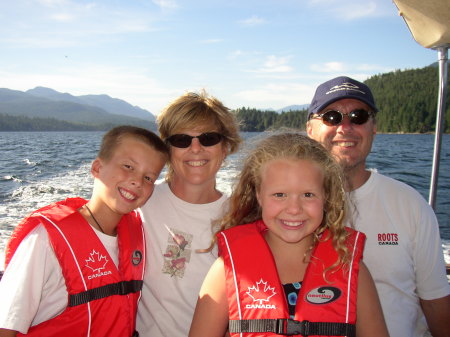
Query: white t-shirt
174, 273
403, 251
33, 289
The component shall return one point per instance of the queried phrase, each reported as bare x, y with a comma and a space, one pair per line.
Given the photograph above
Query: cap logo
344, 86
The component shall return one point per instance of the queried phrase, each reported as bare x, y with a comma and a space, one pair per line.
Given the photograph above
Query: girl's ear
95, 167
257, 198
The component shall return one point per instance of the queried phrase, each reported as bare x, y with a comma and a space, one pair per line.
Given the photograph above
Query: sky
264, 54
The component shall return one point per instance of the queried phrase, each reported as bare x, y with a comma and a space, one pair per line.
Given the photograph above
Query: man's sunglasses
335, 117
206, 139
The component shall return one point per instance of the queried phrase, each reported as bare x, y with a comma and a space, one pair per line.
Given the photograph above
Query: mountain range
296, 107
98, 111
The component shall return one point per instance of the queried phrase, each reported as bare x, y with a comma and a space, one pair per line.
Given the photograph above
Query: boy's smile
126, 180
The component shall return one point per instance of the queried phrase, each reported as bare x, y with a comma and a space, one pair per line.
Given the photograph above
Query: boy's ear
95, 167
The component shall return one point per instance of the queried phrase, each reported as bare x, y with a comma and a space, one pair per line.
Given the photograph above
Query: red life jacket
102, 299
256, 298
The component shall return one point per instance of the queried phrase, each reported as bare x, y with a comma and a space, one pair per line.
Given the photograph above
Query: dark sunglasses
335, 117
206, 139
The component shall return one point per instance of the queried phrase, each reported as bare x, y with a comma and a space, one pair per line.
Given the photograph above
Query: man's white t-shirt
403, 251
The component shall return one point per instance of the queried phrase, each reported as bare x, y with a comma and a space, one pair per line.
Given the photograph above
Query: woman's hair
114, 136
194, 111
243, 204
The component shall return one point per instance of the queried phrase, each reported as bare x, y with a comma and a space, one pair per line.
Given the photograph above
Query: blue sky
253, 53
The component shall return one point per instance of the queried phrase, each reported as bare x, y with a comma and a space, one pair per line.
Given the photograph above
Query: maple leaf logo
262, 292
96, 261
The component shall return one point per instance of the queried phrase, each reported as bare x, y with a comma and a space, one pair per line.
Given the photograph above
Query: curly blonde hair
193, 110
243, 204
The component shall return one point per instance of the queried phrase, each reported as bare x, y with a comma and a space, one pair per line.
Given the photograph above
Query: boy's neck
100, 218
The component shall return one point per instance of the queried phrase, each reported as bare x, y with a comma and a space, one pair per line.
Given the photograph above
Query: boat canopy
429, 23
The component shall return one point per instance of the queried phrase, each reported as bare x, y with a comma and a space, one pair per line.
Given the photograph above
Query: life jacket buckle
294, 327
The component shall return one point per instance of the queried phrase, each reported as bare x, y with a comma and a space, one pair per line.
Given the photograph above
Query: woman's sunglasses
335, 117
206, 139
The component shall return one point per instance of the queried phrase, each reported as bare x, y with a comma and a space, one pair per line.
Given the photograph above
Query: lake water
38, 168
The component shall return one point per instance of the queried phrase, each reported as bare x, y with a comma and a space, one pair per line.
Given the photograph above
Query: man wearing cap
403, 249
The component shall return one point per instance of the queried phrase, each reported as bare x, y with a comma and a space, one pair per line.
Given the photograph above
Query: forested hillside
23, 123
257, 120
407, 101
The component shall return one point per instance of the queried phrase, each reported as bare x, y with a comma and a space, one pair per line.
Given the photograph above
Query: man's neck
355, 178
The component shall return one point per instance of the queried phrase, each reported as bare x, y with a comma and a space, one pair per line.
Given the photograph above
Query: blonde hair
193, 110
243, 204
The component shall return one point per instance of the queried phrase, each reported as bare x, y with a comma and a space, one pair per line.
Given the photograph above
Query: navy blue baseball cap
339, 88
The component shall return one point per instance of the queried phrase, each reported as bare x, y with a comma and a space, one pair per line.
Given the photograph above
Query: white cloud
274, 64
236, 54
353, 9
211, 41
253, 21
329, 67
62, 17
166, 4
277, 64
39, 41
340, 68
357, 11
277, 96
54, 3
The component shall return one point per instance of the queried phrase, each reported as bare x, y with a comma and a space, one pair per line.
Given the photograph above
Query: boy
75, 267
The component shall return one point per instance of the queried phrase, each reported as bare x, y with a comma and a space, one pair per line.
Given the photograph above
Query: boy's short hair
114, 136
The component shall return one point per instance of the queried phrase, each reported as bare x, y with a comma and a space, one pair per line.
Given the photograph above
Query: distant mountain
294, 108
65, 107
112, 105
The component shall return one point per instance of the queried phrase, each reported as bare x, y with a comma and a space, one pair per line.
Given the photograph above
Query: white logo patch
261, 293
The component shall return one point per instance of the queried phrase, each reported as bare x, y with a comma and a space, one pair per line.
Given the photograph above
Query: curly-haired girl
288, 265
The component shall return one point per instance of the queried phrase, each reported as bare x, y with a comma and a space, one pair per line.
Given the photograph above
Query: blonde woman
200, 132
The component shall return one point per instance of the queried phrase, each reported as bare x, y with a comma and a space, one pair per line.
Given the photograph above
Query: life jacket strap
290, 327
119, 288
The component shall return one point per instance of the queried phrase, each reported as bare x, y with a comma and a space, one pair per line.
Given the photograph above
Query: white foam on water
30, 197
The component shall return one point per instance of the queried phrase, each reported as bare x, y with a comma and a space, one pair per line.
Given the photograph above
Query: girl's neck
291, 259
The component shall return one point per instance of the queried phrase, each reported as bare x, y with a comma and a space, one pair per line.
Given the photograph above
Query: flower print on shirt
178, 252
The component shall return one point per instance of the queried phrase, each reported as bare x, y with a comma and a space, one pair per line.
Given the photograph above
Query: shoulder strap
290, 327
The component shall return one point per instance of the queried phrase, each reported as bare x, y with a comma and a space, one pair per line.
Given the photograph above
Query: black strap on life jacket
119, 288
290, 327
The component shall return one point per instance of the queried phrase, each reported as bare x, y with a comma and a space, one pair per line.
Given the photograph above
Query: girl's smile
292, 197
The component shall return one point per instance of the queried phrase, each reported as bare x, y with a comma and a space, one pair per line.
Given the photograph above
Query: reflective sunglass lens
332, 117
359, 116
181, 141
205, 139
210, 139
